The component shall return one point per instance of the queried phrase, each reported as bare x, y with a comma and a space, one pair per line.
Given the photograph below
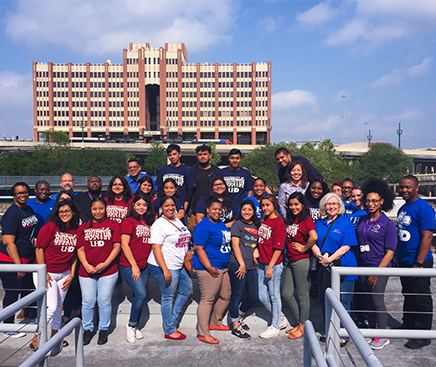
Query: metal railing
312, 347
45, 349
338, 271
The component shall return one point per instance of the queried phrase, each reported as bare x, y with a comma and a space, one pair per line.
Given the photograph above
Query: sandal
291, 330
298, 333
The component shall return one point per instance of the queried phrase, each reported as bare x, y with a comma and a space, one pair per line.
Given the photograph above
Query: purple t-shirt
374, 239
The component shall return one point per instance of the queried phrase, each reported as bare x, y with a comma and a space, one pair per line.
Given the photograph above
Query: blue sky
379, 53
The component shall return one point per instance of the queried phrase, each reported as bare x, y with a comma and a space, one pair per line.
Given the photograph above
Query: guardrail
312, 347
45, 349
337, 272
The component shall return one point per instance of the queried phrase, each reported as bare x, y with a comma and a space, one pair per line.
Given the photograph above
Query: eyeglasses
218, 184
65, 212
332, 204
22, 193
373, 202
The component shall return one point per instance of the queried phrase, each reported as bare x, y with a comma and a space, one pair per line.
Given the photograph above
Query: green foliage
49, 160
55, 137
216, 158
156, 159
262, 163
385, 162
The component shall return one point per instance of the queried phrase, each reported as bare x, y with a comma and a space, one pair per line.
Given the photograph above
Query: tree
55, 137
216, 158
383, 161
156, 159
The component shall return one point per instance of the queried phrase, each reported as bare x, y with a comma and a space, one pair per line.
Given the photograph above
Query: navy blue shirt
182, 175
238, 183
228, 213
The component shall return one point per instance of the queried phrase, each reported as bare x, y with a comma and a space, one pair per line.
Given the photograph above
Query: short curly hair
381, 188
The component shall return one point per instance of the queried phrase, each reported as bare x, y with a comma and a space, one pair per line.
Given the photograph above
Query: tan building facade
154, 92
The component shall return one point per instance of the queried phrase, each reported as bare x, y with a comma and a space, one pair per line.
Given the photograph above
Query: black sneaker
240, 333
417, 343
87, 336
102, 337
243, 325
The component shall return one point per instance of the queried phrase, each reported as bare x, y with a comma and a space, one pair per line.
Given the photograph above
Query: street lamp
83, 129
343, 116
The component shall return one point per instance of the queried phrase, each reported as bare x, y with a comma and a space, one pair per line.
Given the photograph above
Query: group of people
225, 228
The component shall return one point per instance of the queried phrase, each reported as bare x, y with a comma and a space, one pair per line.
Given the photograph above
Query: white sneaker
271, 332
130, 334
283, 323
12, 334
138, 334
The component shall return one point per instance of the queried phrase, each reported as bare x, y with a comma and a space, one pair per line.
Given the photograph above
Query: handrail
337, 271
312, 347
55, 345
332, 302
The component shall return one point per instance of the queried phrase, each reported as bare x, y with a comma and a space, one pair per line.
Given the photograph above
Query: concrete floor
156, 351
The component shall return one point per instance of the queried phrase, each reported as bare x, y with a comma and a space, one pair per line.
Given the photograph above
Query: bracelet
417, 263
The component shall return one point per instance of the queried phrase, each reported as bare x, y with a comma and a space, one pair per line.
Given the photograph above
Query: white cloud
100, 27
16, 104
269, 24
292, 99
319, 14
407, 115
398, 75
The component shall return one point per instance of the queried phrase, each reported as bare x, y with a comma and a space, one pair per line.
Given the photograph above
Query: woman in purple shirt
376, 237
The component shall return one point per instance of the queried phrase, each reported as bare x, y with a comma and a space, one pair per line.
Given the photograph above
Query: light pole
83, 129
364, 137
343, 116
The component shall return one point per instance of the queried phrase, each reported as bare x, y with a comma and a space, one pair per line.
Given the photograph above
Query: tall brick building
154, 91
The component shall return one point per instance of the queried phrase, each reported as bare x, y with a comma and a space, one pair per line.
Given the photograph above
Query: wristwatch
417, 263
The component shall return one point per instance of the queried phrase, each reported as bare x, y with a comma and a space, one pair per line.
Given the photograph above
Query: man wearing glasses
135, 174
347, 189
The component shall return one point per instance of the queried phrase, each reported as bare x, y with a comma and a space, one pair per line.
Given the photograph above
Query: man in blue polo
135, 174
416, 222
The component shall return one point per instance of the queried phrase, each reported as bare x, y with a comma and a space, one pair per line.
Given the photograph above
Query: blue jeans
250, 283
172, 309
139, 291
269, 292
100, 290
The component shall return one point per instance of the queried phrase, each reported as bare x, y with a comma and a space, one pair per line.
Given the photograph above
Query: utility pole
399, 133
369, 139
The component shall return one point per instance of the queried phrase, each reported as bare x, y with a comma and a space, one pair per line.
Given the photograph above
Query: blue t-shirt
341, 234
411, 220
42, 210
238, 183
350, 207
180, 205
183, 176
354, 218
23, 224
228, 213
134, 184
215, 238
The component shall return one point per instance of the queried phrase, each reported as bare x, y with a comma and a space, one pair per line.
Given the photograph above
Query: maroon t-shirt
139, 242
118, 210
59, 247
98, 242
272, 236
299, 232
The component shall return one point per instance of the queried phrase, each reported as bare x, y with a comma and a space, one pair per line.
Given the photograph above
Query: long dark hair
140, 182
325, 190
173, 181
75, 220
254, 217
127, 192
305, 212
149, 214
304, 178
226, 203
101, 200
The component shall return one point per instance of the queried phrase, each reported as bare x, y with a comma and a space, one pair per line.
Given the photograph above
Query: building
154, 92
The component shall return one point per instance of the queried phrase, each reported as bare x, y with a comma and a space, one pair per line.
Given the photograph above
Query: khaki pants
209, 288
191, 222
